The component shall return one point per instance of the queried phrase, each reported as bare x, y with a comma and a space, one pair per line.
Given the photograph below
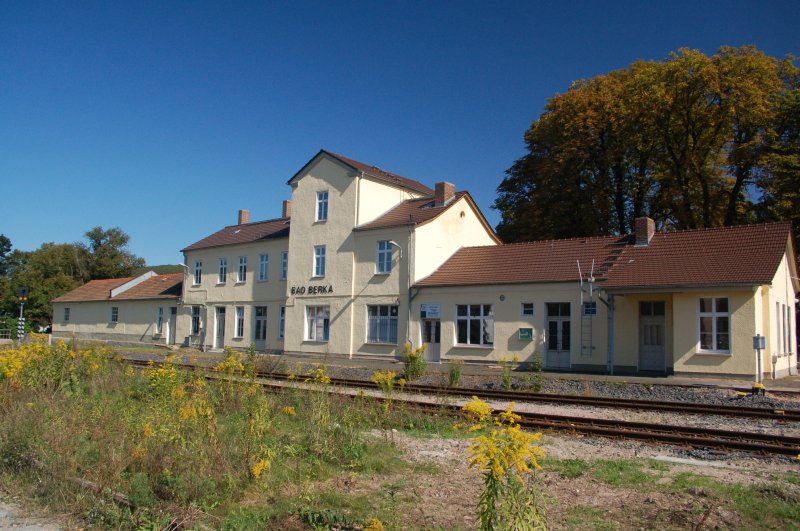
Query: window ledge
239, 282
484, 347
220, 283
195, 285
318, 341
383, 273
384, 343
713, 353
262, 280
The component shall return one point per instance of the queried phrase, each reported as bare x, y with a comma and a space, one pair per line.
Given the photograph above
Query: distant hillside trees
56, 268
692, 141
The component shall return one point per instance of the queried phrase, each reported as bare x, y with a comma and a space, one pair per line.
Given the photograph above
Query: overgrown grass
165, 447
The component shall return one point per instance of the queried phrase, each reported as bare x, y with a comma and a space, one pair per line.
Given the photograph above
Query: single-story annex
362, 260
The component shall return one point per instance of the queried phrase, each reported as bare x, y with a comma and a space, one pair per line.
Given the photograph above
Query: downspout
353, 267
610, 367
408, 282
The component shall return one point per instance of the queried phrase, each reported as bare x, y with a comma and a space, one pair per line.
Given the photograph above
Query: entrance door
260, 328
431, 335
652, 336
558, 335
172, 324
219, 337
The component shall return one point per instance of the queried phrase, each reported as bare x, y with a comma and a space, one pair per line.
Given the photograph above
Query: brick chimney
645, 228
286, 212
244, 217
445, 192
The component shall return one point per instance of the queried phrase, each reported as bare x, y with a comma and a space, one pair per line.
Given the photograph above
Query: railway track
690, 437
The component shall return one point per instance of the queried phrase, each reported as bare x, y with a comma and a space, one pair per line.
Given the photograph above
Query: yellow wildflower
373, 524
289, 410
260, 467
147, 430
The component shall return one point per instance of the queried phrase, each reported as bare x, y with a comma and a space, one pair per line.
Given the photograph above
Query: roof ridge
255, 222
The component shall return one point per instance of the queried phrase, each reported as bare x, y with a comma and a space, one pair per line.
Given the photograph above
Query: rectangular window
284, 265
322, 206
319, 261
474, 324
241, 274
263, 267
714, 325
66, 314
527, 309
589, 309
382, 324
240, 321
114, 314
223, 271
778, 324
160, 320
317, 323
384, 261
282, 323
198, 272
195, 320
260, 329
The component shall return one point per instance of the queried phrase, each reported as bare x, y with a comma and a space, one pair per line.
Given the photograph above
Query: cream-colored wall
137, 320
686, 333
627, 329
376, 198
439, 239
782, 292
508, 320
230, 294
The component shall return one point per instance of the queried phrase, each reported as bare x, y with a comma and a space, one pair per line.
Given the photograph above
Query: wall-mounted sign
430, 311
526, 334
311, 290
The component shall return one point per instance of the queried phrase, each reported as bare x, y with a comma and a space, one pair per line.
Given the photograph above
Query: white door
431, 335
260, 328
219, 337
652, 336
559, 330
172, 324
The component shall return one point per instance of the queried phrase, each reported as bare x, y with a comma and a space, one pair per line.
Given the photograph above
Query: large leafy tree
692, 141
108, 254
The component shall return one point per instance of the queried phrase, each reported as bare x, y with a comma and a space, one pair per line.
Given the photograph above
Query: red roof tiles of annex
166, 286
745, 255
742, 255
523, 263
246, 233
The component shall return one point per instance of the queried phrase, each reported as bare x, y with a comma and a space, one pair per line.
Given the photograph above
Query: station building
363, 260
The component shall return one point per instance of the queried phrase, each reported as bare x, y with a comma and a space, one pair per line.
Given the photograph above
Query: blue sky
165, 118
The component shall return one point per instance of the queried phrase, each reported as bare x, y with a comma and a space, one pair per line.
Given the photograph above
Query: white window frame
115, 314
282, 323
321, 212
589, 309
522, 310
239, 332
318, 327
381, 328
319, 261
383, 262
222, 274
198, 272
485, 320
66, 313
263, 267
160, 320
195, 323
241, 271
284, 264
714, 315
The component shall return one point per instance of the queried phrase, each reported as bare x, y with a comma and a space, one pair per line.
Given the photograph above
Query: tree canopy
56, 268
692, 141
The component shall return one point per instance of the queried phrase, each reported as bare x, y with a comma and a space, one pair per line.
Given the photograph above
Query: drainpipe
610, 334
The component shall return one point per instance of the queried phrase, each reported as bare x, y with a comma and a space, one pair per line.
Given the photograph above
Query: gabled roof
523, 263
246, 233
370, 170
156, 287
747, 255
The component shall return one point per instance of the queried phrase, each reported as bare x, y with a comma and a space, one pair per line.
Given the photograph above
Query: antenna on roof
589, 281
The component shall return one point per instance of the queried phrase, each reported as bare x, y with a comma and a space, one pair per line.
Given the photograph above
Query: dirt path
12, 516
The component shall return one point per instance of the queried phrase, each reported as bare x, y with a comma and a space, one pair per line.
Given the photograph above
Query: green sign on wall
526, 334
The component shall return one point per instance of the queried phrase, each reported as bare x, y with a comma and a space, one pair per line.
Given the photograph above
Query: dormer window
322, 206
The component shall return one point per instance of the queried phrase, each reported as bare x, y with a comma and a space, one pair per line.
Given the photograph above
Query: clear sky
165, 118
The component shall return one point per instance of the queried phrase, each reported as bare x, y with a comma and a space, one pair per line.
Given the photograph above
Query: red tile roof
157, 287
410, 212
249, 232
744, 255
373, 171
523, 263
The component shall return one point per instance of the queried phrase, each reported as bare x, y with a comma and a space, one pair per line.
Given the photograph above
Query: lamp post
22, 296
